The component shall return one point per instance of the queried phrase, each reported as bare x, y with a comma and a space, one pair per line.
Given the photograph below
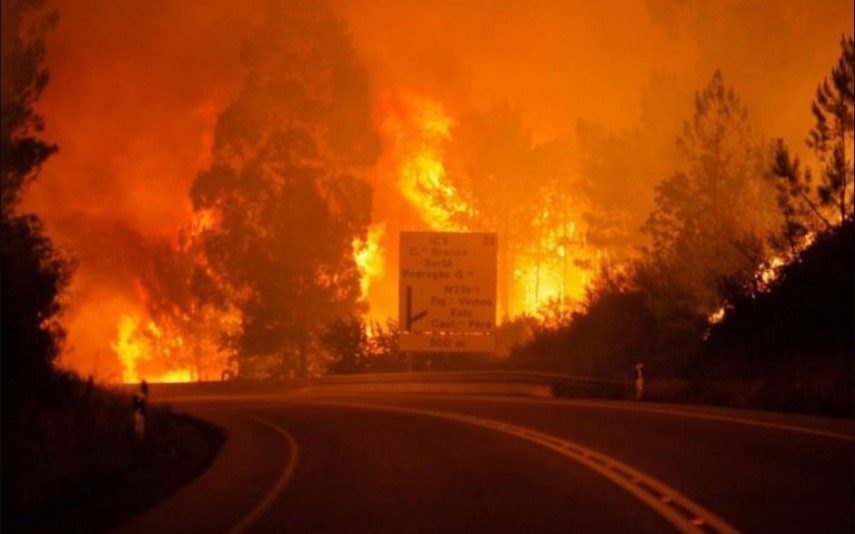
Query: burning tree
34, 273
711, 217
285, 189
519, 188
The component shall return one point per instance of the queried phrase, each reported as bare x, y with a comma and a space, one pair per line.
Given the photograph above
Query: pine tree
808, 206
709, 214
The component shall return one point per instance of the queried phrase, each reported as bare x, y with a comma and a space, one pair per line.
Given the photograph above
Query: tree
809, 207
347, 342
33, 272
709, 215
284, 188
515, 186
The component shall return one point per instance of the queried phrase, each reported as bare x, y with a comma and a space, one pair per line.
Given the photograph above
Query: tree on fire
808, 207
707, 230
712, 217
617, 207
33, 272
496, 164
285, 190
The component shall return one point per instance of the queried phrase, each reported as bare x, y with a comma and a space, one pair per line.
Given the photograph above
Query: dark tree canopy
285, 188
33, 273
809, 204
712, 216
24, 79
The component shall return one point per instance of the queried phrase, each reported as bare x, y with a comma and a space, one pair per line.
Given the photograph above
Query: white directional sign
447, 291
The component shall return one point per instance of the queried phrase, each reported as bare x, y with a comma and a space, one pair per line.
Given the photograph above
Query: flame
552, 263
769, 271
135, 347
129, 349
556, 268
717, 316
369, 257
172, 377
419, 134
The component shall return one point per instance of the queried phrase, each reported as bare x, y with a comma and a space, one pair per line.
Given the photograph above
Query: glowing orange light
420, 136
134, 348
369, 257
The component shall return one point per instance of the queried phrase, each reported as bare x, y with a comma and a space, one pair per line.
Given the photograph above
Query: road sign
451, 342
447, 289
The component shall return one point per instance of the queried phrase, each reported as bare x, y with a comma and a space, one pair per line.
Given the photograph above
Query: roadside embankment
71, 460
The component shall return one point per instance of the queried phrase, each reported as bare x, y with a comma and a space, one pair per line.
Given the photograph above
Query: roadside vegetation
70, 455
744, 295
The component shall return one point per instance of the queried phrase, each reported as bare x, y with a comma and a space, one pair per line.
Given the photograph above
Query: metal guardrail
561, 385
555, 385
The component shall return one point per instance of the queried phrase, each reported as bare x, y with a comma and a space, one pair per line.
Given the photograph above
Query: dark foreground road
407, 463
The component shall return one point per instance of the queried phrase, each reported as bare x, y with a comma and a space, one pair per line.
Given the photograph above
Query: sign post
447, 292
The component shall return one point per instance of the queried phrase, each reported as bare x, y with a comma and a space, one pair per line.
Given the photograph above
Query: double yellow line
681, 511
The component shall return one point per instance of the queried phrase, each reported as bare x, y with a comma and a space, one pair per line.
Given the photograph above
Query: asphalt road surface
431, 463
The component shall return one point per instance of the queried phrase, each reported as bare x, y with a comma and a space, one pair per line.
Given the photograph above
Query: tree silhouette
710, 215
809, 207
285, 191
33, 272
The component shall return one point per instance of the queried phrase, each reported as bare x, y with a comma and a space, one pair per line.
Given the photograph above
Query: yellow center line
284, 477
678, 509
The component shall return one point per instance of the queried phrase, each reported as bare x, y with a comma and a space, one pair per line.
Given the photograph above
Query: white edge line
284, 477
721, 418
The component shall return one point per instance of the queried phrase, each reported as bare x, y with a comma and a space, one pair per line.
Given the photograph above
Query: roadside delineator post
639, 381
140, 410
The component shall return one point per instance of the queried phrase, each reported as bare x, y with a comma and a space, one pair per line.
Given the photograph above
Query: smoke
136, 89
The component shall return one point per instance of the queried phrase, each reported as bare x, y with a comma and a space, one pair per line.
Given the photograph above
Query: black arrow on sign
410, 317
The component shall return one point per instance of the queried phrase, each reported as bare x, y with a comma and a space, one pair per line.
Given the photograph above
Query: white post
639, 381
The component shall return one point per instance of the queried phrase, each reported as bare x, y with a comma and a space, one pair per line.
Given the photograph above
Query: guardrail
526, 383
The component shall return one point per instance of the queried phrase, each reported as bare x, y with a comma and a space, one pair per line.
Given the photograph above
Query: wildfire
369, 257
768, 272
420, 133
136, 347
556, 268
717, 316
550, 261
771, 269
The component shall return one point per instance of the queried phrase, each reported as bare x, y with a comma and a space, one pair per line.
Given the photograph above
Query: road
454, 463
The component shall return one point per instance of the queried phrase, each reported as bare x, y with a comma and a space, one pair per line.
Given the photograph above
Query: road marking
723, 418
682, 512
591, 404
630, 407
258, 510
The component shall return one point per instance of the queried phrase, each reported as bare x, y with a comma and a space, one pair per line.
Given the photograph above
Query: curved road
423, 463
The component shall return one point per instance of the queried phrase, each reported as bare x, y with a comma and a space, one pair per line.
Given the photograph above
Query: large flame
136, 346
552, 264
420, 129
556, 269
369, 257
